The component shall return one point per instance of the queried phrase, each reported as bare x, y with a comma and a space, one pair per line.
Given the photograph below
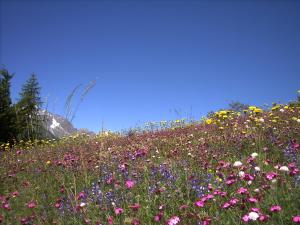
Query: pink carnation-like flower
252, 200
263, 218
296, 219
242, 190
226, 205
271, 175
246, 218
275, 208
6, 206
233, 201
230, 181
129, 184
173, 220
110, 220
199, 203
118, 211
31, 205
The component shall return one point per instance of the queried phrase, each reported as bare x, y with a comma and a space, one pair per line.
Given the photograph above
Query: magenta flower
275, 208
263, 218
255, 210
246, 218
6, 206
199, 203
226, 205
110, 220
80, 195
31, 205
252, 200
135, 206
118, 211
230, 181
296, 219
242, 190
173, 220
233, 201
247, 177
157, 218
271, 175
129, 184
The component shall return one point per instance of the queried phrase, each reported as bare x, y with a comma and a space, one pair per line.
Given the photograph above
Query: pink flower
230, 181
247, 177
110, 220
157, 218
15, 194
296, 219
252, 200
207, 221
199, 203
294, 171
118, 211
80, 195
6, 206
129, 184
242, 190
275, 208
226, 205
31, 205
135, 206
263, 218
233, 201
271, 175
255, 210
173, 220
246, 218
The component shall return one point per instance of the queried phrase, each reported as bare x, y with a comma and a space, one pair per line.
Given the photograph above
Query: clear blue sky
151, 58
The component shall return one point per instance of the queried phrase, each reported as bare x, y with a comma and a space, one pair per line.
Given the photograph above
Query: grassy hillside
230, 168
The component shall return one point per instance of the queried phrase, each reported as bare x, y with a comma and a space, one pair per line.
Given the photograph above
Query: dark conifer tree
7, 116
28, 110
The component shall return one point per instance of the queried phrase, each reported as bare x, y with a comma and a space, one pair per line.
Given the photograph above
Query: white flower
241, 173
298, 120
274, 181
256, 190
253, 215
257, 168
82, 204
237, 163
254, 155
261, 120
281, 110
284, 168
249, 182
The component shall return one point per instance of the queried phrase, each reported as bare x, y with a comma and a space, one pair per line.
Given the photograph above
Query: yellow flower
209, 121
298, 91
48, 162
258, 110
252, 108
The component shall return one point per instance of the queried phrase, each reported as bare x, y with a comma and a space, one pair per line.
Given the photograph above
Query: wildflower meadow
229, 168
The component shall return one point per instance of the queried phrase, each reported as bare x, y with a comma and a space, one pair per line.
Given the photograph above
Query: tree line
21, 120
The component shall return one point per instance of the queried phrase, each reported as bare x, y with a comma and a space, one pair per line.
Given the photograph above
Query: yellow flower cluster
255, 109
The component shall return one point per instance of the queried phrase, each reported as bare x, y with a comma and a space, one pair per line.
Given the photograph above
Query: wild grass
230, 168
